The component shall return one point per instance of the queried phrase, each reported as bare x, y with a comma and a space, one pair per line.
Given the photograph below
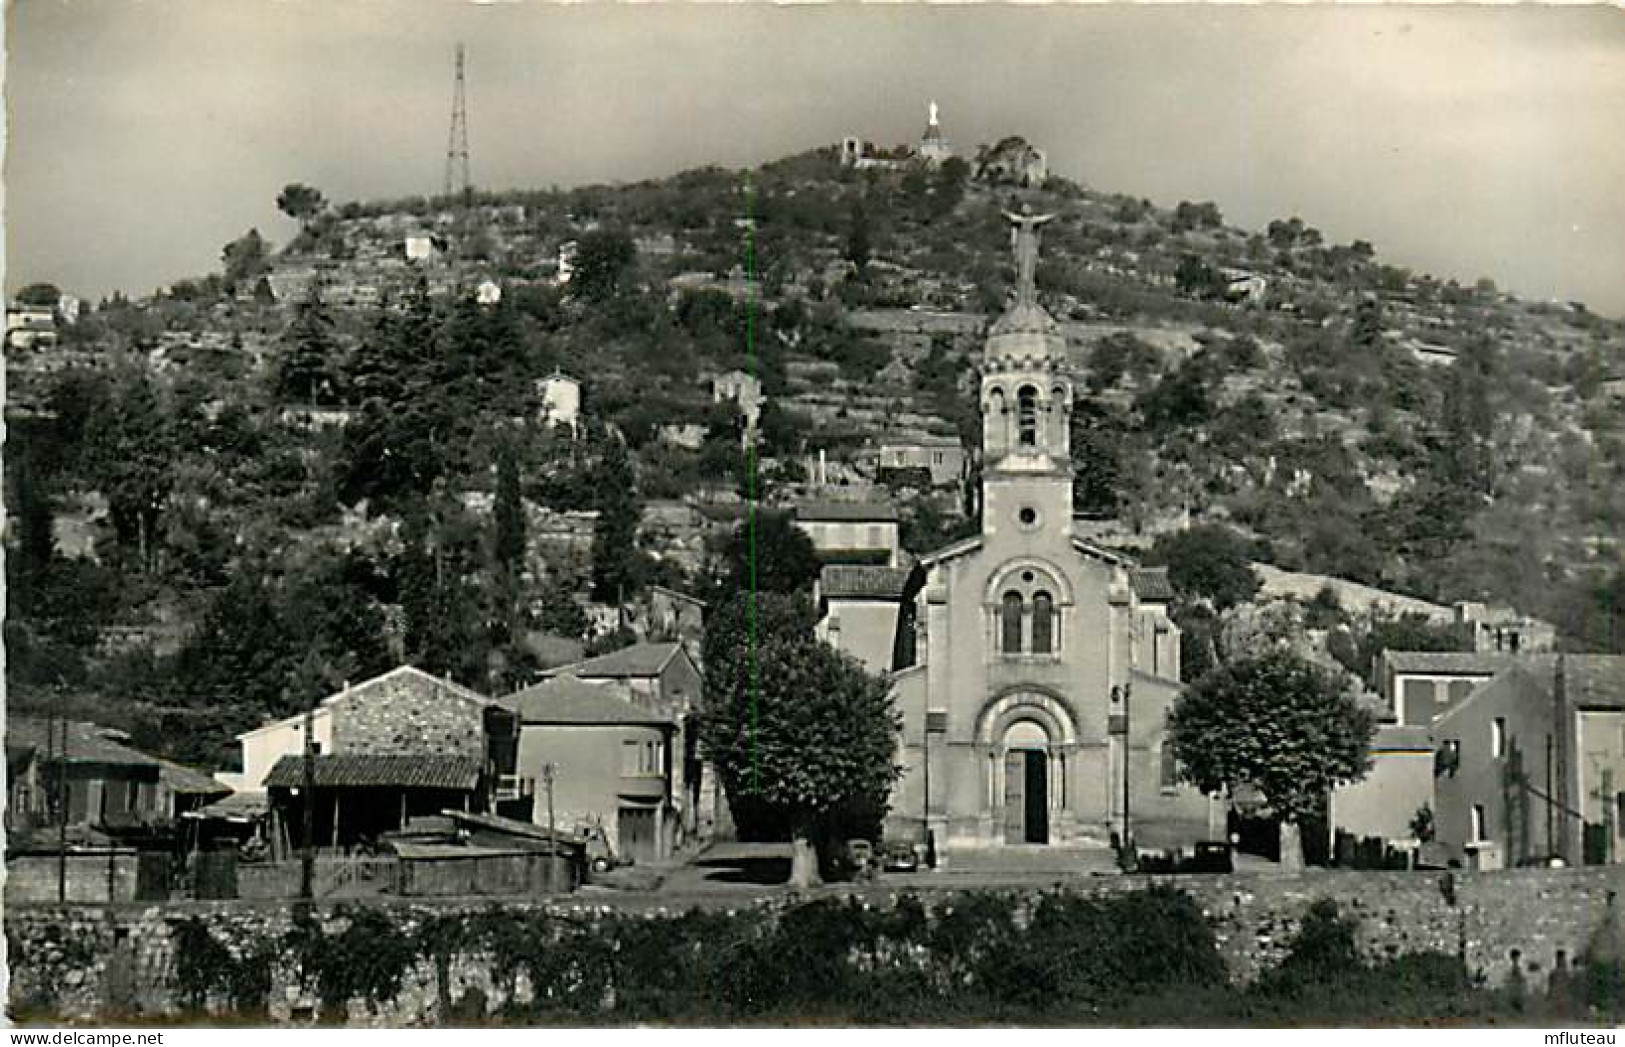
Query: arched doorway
1026, 782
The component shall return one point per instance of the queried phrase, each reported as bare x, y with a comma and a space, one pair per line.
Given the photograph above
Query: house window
1043, 623
1010, 623
1498, 737
631, 756
1481, 826
1027, 416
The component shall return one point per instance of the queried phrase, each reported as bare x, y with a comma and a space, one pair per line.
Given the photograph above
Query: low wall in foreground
86, 962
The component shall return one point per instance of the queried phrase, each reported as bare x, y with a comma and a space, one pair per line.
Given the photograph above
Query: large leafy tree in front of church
797, 730
1280, 724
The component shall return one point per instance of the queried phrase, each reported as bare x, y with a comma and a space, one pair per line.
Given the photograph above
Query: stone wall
83, 962
36, 878
409, 713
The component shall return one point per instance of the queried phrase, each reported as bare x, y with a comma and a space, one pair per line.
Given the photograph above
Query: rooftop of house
922, 440
846, 512
184, 780
855, 582
569, 700
638, 660
356, 770
29, 736
1591, 681
1448, 663
678, 596
1151, 584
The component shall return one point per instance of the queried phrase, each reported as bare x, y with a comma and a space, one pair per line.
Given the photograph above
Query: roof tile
356, 770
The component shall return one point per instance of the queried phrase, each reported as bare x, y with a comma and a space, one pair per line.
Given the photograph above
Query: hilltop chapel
1028, 665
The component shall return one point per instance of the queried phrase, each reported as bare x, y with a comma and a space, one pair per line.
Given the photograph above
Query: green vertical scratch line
750, 496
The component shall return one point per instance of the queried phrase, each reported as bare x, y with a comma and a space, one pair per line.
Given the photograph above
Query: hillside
234, 495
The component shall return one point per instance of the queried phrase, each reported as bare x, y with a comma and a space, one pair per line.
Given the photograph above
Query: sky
1463, 141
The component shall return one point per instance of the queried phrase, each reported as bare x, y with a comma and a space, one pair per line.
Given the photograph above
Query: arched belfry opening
1027, 416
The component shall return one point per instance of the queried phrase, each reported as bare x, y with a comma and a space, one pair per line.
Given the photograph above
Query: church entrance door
1026, 796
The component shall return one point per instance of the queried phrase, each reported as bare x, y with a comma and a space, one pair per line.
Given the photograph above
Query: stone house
399, 745
610, 761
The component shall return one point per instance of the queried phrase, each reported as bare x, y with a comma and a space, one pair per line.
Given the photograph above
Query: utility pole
1560, 731
552, 831
61, 801
1128, 833
307, 852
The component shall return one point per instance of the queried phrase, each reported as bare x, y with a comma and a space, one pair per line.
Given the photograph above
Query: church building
1035, 693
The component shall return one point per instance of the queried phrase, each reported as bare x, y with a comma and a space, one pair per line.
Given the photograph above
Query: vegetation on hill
326, 438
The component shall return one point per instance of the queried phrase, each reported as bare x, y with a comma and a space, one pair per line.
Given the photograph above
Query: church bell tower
1026, 405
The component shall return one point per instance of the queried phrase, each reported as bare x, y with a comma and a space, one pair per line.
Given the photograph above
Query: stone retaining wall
89, 962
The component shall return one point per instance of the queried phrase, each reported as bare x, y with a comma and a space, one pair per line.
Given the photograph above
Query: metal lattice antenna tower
457, 141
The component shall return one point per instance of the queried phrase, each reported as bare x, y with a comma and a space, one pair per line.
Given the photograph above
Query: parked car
899, 857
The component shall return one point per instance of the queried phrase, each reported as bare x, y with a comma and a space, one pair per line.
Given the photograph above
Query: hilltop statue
933, 111
1024, 240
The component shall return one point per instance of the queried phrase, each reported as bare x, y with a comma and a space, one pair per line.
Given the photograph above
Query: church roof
1024, 316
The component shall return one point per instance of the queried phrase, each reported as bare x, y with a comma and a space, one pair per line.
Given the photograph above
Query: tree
300, 202
1208, 562
132, 456
40, 294
1365, 332
858, 244
615, 559
793, 726
949, 187
307, 365
603, 259
508, 535
768, 553
244, 258
560, 614
1279, 724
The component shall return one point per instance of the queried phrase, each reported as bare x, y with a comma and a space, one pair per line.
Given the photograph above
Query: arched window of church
1010, 623
1027, 416
1043, 624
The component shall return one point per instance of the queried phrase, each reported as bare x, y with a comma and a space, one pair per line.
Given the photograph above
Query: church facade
1043, 667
